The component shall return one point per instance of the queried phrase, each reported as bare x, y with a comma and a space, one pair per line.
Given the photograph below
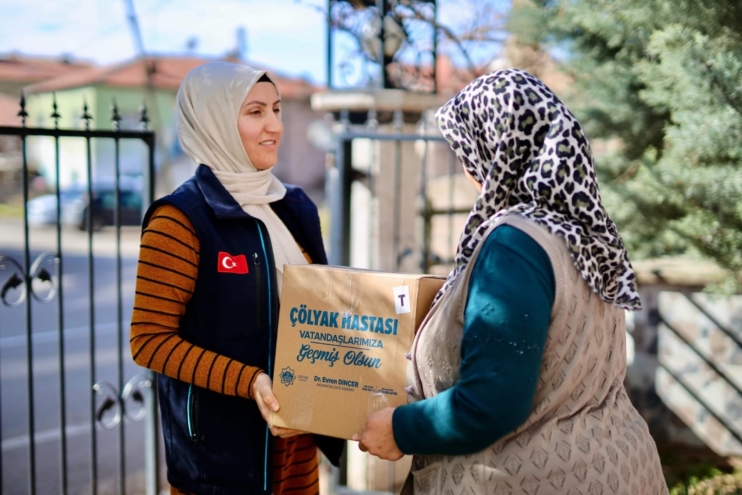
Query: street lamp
371, 37
388, 33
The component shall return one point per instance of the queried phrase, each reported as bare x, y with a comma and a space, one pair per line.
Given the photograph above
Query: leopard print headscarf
520, 142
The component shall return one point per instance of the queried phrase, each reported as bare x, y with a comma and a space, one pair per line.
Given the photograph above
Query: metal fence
64, 337
702, 371
397, 202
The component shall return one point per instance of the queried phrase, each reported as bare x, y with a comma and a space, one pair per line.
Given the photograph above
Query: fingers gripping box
342, 339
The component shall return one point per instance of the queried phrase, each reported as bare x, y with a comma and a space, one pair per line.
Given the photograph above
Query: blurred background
87, 141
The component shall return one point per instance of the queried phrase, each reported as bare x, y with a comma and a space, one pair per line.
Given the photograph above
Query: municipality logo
287, 376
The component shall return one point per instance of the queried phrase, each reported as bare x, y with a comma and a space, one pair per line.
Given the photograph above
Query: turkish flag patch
232, 264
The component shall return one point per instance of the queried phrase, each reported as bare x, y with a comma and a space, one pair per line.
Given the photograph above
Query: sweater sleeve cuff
247, 380
403, 427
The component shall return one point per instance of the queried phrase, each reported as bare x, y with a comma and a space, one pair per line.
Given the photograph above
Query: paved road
108, 357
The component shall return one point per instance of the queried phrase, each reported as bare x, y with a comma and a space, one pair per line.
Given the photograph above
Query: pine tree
662, 81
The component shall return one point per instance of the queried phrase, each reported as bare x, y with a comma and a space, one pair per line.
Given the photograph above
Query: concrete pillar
384, 225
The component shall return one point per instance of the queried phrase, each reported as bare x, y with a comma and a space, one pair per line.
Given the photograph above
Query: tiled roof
167, 72
29, 70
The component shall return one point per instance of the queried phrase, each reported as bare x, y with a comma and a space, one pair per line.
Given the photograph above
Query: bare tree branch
486, 26
457, 39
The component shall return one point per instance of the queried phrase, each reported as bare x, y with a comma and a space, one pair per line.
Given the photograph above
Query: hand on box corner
262, 391
377, 437
278, 431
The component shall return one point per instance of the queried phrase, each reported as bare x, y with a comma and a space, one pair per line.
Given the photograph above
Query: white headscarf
207, 108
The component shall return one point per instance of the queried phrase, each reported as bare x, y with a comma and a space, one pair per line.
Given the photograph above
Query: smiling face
259, 124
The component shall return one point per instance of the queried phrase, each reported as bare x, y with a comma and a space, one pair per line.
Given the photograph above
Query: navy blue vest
215, 443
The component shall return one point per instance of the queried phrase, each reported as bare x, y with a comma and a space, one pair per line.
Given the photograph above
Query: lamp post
395, 46
380, 40
388, 32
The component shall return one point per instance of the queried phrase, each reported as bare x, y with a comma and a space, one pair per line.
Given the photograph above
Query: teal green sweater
507, 316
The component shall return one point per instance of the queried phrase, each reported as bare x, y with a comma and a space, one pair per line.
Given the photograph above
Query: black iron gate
69, 418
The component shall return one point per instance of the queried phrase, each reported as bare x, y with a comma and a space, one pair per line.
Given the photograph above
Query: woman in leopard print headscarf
530, 156
516, 374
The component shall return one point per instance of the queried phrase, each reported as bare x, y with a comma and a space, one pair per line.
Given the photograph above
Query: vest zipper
259, 283
270, 347
192, 414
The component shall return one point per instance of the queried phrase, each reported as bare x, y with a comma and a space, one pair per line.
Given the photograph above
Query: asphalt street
109, 344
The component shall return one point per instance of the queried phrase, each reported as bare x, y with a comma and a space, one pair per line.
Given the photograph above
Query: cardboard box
342, 339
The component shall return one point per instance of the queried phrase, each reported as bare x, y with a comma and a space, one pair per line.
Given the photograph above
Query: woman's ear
469, 176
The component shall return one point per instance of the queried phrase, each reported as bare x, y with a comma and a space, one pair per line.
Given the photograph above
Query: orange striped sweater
166, 279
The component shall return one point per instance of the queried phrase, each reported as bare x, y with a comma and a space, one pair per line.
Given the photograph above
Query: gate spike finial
55, 114
115, 116
143, 117
85, 115
22, 113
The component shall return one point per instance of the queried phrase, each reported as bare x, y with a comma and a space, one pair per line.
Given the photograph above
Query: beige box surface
342, 339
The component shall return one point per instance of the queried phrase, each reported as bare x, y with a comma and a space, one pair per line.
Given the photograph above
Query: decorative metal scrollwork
133, 394
111, 400
43, 284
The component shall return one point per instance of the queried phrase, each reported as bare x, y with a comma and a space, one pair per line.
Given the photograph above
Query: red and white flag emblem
232, 264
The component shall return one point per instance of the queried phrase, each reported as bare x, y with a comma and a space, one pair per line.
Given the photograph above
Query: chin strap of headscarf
207, 109
520, 142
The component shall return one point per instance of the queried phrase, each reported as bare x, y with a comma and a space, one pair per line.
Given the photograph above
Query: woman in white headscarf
516, 374
209, 281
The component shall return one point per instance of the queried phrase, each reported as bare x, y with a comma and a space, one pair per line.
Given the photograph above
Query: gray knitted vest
582, 436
